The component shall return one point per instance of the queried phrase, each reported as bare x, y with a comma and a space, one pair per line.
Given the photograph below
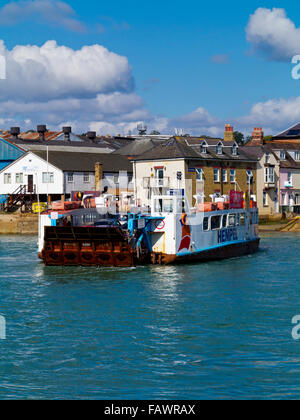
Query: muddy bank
17, 223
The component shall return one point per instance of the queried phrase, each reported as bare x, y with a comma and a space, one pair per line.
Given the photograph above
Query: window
267, 157
199, 174
224, 175
7, 178
270, 175
297, 155
215, 222
282, 155
265, 198
231, 220
168, 206
159, 175
219, 149
116, 179
249, 176
70, 177
290, 178
205, 224
86, 178
224, 220
216, 175
203, 149
234, 150
48, 178
19, 178
242, 219
232, 176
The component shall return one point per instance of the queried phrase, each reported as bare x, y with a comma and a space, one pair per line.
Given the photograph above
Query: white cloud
55, 12
273, 34
52, 71
274, 114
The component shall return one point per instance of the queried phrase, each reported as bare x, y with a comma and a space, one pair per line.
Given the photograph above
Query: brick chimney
41, 129
92, 136
67, 133
228, 133
257, 137
98, 176
15, 131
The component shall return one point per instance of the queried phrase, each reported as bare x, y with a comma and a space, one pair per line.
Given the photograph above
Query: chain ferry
169, 232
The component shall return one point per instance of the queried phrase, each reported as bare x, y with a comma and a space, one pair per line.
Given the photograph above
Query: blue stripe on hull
211, 248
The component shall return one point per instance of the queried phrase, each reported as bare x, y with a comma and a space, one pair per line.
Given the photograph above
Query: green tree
238, 137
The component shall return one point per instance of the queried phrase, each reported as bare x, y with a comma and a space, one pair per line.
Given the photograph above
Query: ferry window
181, 206
231, 220
242, 219
205, 223
158, 206
168, 206
224, 221
238, 220
215, 222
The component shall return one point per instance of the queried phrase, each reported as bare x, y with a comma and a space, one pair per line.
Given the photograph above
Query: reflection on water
215, 330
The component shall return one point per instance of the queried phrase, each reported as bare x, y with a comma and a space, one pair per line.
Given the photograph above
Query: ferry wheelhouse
169, 232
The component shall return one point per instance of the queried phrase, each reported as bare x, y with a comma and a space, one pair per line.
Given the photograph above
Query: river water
202, 331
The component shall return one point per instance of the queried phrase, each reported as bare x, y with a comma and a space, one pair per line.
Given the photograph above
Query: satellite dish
142, 129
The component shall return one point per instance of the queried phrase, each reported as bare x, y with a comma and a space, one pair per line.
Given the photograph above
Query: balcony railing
156, 182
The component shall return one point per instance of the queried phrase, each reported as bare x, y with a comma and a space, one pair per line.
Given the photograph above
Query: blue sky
183, 56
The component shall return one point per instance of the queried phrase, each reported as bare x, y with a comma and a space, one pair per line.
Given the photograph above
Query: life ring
160, 224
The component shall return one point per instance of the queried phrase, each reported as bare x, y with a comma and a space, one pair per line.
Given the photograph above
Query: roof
289, 134
138, 147
85, 162
176, 149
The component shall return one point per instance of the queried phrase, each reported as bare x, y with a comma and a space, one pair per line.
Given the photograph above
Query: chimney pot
91, 135
15, 131
41, 129
67, 131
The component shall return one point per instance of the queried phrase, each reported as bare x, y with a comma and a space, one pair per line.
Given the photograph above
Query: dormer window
234, 149
203, 149
282, 155
219, 149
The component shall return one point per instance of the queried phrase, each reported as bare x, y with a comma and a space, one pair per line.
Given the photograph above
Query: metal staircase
21, 198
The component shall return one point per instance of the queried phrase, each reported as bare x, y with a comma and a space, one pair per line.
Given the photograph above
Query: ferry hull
218, 253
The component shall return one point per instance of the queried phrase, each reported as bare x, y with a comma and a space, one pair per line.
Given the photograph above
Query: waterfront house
54, 175
193, 166
268, 174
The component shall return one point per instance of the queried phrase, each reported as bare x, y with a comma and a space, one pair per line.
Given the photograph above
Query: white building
56, 174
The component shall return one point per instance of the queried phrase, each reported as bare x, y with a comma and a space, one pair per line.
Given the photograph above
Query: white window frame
232, 176
7, 178
19, 177
297, 155
216, 175
70, 177
265, 199
224, 175
270, 175
282, 154
86, 178
48, 178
